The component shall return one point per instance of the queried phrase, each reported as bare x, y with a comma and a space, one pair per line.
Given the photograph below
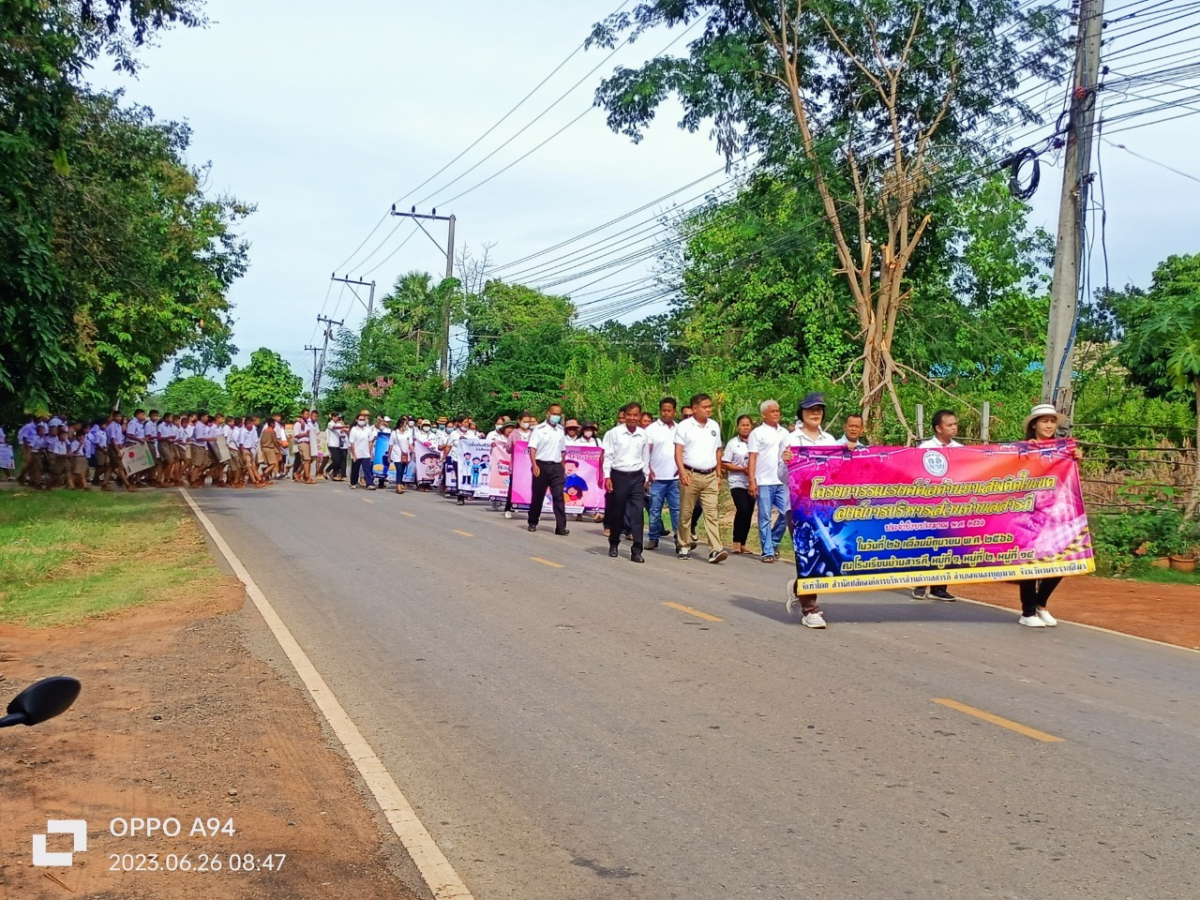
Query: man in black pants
547, 448
626, 474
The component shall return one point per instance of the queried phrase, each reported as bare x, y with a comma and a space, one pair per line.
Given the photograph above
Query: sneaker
920, 593
813, 620
718, 556
508, 515
1048, 620
683, 553
940, 593
1031, 622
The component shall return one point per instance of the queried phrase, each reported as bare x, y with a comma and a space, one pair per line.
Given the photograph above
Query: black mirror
41, 701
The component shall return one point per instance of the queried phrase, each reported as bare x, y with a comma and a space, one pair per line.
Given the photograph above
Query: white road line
439, 875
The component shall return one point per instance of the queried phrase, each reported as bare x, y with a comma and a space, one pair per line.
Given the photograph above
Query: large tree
881, 101
266, 386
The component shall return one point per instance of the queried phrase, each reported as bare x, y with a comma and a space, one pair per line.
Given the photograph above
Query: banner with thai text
500, 471
583, 481
884, 517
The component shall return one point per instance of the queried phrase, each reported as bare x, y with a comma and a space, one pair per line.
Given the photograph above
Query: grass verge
67, 556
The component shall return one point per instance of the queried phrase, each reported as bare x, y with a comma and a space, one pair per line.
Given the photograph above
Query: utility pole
444, 367
370, 304
319, 367
316, 375
1068, 254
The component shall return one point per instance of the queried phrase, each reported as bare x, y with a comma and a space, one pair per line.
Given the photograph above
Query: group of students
650, 465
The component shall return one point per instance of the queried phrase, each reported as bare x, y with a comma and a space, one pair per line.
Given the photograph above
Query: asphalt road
564, 733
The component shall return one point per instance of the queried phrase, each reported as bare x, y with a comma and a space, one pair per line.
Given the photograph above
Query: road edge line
439, 875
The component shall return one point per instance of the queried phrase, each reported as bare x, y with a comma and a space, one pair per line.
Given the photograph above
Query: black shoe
612, 551
532, 528
562, 533
919, 593
462, 502
940, 593
636, 557
666, 534
651, 545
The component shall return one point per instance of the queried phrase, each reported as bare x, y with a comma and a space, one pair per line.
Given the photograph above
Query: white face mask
362, 421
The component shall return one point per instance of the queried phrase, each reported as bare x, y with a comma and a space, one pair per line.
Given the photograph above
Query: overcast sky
323, 115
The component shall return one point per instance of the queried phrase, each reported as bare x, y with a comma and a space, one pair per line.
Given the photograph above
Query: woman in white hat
1041, 426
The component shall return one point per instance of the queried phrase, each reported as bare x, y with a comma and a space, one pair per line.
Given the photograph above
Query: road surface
565, 730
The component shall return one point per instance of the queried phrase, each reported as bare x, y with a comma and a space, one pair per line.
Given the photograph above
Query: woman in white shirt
735, 462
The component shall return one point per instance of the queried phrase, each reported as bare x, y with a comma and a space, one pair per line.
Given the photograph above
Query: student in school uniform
25, 438
116, 444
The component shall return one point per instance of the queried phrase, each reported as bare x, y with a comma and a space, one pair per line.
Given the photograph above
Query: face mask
588, 435
362, 421
554, 420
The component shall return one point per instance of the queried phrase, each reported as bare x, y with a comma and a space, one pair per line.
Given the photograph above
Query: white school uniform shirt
333, 437
768, 443
116, 437
281, 435
89, 445
300, 430
3, 436
362, 441
135, 431
57, 446
151, 429
99, 438
250, 439
549, 442
700, 443
737, 452
314, 436
626, 451
662, 450
27, 433
934, 444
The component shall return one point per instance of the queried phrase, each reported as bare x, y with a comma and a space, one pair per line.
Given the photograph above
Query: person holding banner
116, 442
400, 447
1041, 428
945, 430
626, 468
698, 458
547, 450
810, 433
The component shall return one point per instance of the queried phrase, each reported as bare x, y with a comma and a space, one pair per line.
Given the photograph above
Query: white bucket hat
1044, 409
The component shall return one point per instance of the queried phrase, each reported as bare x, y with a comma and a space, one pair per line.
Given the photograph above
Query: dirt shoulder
1161, 612
179, 719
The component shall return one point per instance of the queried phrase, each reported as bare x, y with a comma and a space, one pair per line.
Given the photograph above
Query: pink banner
583, 482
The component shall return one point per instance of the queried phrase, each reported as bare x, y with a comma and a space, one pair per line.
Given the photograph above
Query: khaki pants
706, 488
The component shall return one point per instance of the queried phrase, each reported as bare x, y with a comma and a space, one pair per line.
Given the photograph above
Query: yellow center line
546, 562
999, 720
406, 513
693, 612
463, 533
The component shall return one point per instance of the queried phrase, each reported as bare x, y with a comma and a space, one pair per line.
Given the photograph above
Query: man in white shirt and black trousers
626, 472
547, 449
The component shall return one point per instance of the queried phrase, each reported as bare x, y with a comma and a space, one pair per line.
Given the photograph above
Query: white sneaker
1048, 620
813, 620
1031, 621
508, 515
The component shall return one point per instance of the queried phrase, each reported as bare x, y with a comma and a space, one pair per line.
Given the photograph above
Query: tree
882, 102
194, 394
265, 387
213, 351
502, 309
75, 173
1168, 325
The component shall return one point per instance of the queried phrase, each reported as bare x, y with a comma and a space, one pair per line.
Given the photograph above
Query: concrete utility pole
1068, 255
319, 367
370, 304
444, 366
316, 376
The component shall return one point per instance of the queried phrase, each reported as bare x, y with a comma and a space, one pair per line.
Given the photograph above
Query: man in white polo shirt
766, 445
945, 430
698, 457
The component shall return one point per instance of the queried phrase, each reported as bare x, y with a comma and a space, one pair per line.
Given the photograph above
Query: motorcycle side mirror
42, 700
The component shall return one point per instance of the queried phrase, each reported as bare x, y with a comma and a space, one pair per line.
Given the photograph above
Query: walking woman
736, 462
1041, 428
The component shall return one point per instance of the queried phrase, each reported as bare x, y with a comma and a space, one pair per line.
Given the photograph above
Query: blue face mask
554, 420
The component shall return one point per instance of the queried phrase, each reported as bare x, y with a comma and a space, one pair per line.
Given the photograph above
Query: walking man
626, 471
698, 458
664, 476
362, 448
945, 430
547, 449
766, 446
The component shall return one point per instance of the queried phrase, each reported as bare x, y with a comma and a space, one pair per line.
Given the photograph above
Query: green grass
67, 556
1164, 576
